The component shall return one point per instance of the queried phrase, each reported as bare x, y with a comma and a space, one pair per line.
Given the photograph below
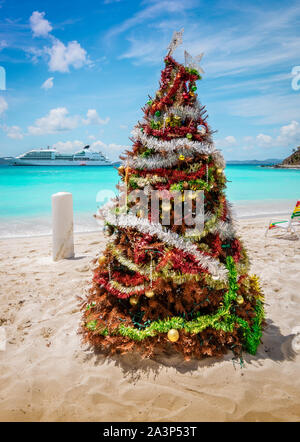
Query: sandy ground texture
46, 374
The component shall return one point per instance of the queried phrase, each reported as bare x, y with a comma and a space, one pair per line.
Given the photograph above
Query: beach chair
288, 226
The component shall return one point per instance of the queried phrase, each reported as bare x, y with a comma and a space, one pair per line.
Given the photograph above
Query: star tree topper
176, 41
193, 63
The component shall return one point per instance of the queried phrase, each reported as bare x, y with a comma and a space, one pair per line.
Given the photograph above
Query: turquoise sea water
25, 193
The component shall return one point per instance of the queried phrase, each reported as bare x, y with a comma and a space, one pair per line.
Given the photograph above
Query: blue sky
79, 72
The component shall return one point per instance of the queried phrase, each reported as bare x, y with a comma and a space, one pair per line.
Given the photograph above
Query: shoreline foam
22, 227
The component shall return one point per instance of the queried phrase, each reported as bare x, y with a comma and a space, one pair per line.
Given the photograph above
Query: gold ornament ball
173, 335
149, 293
219, 170
134, 300
239, 299
101, 260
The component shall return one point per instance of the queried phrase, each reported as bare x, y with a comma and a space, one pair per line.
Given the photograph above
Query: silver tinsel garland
217, 269
157, 161
157, 145
184, 112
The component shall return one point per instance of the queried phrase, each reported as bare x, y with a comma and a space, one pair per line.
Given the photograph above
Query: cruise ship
51, 157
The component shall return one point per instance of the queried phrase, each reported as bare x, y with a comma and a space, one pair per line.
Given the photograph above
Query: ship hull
18, 162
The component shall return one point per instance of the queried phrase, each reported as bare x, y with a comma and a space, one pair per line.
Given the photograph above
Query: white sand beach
46, 374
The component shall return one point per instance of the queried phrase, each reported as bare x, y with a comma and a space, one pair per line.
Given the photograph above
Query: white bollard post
62, 226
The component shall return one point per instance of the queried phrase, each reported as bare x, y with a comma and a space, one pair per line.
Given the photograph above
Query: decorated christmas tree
157, 286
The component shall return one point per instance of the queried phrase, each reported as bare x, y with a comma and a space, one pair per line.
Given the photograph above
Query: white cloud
258, 84
230, 139
3, 105
39, 25
251, 39
112, 150
291, 130
62, 57
14, 132
92, 117
56, 120
97, 145
116, 147
143, 50
264, 140
64, 146
226, 142
266, 109
155, 9
48, 84
263, 38
109, 147
289, 134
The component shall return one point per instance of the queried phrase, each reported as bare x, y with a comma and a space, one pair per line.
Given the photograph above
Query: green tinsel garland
221, 320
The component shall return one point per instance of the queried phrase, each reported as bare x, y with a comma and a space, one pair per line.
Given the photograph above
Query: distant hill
269, 162
293, 159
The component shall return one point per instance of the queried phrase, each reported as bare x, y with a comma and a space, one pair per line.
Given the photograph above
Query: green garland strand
223, 319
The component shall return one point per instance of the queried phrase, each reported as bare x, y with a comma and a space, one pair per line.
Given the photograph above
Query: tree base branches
205, 328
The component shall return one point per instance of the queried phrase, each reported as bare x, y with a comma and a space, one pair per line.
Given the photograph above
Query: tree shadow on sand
275, 347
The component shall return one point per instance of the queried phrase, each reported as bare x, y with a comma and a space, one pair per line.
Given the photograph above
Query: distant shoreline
23, 227
282, 166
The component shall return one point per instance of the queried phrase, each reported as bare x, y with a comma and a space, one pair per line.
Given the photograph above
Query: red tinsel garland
173, 175
181, 78
169, 133
140, 248
179, 263
106, 284
216, 245
129, 280
236, 249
